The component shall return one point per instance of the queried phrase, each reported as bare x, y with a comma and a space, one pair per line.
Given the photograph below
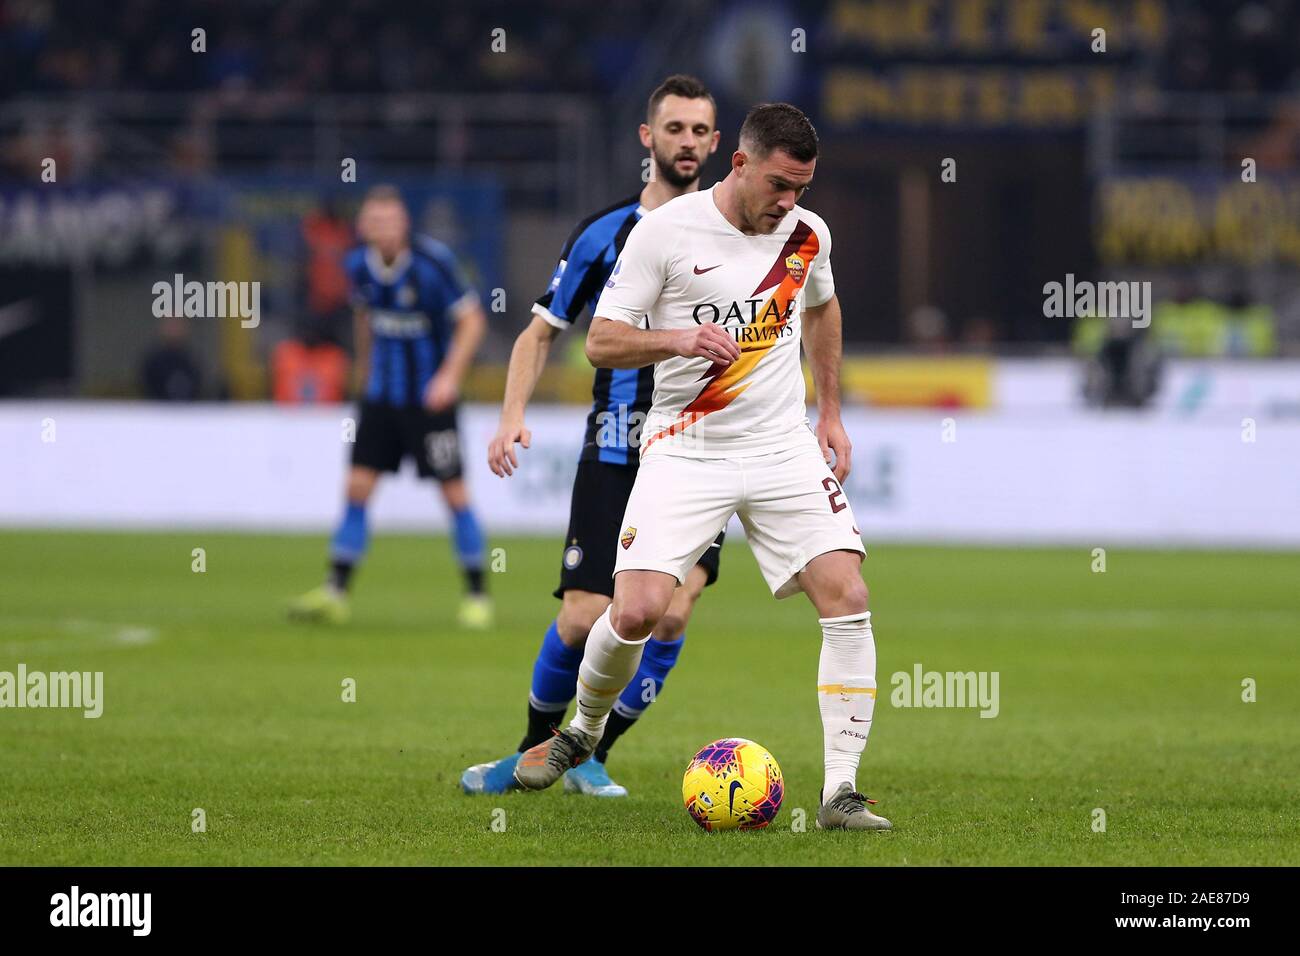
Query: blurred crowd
311, 46
265, 62
1232, 47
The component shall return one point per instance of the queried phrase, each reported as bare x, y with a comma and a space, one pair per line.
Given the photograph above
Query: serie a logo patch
628, 537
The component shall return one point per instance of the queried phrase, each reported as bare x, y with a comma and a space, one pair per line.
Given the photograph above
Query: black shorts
387, 433
600, 493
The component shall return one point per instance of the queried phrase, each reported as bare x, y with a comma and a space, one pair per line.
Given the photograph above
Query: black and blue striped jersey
409, 306
621, 397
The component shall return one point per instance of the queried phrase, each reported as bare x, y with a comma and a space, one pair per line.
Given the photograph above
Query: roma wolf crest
794, 265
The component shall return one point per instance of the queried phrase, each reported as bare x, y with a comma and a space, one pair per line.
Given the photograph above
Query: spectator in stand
927, 329
327, 237
169, 372
309, 369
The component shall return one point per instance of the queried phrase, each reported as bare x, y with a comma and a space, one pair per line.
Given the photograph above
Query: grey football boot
847, 810
541, 766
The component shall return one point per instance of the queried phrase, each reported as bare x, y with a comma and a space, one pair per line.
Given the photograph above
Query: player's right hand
502, 458
710, 342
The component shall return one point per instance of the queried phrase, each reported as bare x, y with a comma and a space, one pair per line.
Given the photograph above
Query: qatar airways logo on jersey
749, 320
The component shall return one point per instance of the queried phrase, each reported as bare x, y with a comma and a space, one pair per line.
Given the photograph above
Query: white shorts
790, 504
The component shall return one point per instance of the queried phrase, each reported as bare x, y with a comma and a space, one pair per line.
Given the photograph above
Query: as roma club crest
794, 265
628, 537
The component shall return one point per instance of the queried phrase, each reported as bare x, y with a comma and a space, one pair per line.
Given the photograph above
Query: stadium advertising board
1066, 477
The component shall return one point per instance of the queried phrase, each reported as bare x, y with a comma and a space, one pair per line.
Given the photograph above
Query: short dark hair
383, 192
679, 84
770, 126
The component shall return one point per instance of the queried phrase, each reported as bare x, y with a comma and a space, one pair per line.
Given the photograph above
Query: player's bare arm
527, 360
823, 344
444, 387
614, 344
360, 349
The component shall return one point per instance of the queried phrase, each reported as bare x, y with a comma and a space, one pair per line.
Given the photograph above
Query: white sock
608, 663
846, 694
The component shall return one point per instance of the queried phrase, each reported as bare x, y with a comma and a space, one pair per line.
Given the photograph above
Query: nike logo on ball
735, 785
700, 272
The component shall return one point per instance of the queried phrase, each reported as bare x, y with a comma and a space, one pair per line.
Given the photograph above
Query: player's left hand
833, 438
440, 394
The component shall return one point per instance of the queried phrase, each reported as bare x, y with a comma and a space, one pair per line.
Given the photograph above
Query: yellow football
733, 784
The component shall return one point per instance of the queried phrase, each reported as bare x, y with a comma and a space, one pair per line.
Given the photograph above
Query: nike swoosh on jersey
700, 272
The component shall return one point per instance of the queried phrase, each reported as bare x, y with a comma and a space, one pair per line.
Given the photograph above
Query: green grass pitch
1119, 690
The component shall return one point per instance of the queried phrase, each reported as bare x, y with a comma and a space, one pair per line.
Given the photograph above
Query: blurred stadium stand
1118, 165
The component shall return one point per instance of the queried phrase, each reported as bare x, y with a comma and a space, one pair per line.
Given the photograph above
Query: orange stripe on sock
841, 689
599, 693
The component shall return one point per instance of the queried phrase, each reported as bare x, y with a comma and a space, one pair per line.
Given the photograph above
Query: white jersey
684, 265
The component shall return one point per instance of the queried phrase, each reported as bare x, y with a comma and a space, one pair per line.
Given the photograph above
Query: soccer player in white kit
718, 288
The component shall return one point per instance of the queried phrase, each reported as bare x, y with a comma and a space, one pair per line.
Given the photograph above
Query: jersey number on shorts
442, 449
833, 486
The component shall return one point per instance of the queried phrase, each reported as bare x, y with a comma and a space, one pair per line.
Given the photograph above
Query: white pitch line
108, 636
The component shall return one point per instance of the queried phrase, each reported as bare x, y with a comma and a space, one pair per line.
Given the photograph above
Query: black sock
614, 728
474, 580
340, 575
541, 724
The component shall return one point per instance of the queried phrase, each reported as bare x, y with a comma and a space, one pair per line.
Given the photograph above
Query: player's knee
670, 626
843, 596
673, 621
455, 494
360, 486
692, 588
855, 595
573, 629
858, 595
634, 618
578, 615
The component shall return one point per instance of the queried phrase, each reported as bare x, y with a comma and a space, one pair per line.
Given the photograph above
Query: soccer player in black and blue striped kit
680, 132
418, 325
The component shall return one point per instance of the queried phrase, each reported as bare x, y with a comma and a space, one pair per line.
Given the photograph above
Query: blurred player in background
733, 279
417, 327
680, 133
